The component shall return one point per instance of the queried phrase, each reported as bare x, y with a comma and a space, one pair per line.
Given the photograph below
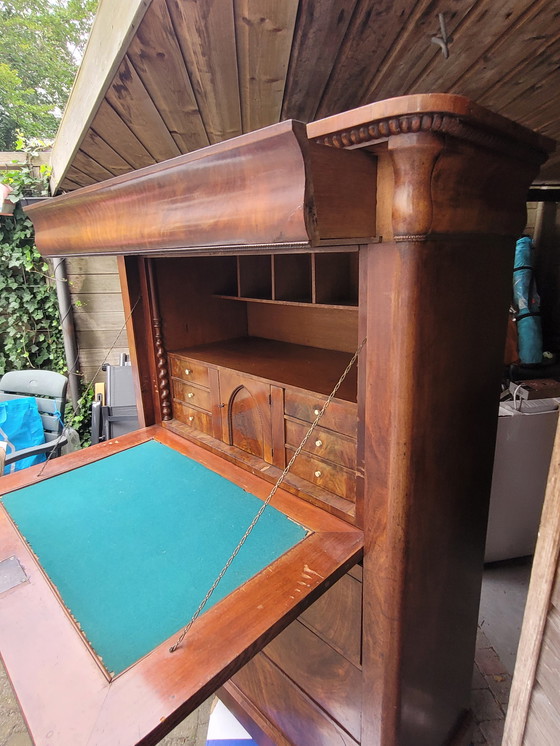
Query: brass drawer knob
318, 443
317, 473
316, 412
190, 395
191, 418
188, 371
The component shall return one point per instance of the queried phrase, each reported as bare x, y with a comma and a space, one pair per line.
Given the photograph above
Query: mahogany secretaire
252, 271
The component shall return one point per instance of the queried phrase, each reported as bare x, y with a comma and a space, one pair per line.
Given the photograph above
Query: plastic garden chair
49, 391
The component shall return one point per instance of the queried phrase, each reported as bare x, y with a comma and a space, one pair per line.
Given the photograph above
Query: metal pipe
68, 330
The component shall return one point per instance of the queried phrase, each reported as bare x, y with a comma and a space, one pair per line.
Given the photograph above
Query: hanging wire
266, 503
444, 40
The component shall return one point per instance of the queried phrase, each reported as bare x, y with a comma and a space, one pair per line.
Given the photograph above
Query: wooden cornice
439, 113
288, 186
270, 187
449, 160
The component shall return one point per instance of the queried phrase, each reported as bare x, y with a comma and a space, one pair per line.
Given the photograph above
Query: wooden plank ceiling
194, 72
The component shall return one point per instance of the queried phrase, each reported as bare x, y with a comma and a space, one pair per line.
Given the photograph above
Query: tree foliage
41, 45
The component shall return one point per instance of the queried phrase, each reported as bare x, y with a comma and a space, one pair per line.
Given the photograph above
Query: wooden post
544, 576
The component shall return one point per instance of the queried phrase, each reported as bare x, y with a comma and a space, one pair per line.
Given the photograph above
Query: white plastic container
522, 459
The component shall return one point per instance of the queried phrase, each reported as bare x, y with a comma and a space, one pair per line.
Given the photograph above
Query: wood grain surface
423, 104
98, 150
113, 130
166, 80
238, 66
131, 100
164, 207
211, 59
321, 26
337, 617
108, 42
418, 607
246, 413
264, 30
308, 368
324, 674
297, 718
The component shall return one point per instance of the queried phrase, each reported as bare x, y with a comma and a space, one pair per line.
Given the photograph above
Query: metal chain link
266, 503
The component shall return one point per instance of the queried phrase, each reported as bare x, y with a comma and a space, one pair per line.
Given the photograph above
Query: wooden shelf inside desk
328, 278
310, 368
350, 305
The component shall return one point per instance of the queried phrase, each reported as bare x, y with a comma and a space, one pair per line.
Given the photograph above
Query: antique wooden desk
251, 272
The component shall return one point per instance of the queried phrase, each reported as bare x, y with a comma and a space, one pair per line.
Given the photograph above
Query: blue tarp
21, 427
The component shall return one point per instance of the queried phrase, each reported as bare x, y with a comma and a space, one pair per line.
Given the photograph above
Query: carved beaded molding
436, 123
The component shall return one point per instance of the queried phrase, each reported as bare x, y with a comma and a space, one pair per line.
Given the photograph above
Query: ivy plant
30, 328
29, 319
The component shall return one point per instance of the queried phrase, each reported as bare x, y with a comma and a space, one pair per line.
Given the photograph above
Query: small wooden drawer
325, 675
341, 416
195, 418
188, 370
296, 715
191, 394
336, 617
329, 477
324, 443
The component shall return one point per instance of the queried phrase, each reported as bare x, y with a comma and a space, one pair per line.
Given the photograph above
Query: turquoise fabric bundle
527, 304
21, 427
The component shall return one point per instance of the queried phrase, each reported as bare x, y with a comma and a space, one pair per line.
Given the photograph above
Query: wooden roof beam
113, 29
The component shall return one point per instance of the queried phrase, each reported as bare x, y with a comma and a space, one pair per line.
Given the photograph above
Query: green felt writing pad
134, 541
